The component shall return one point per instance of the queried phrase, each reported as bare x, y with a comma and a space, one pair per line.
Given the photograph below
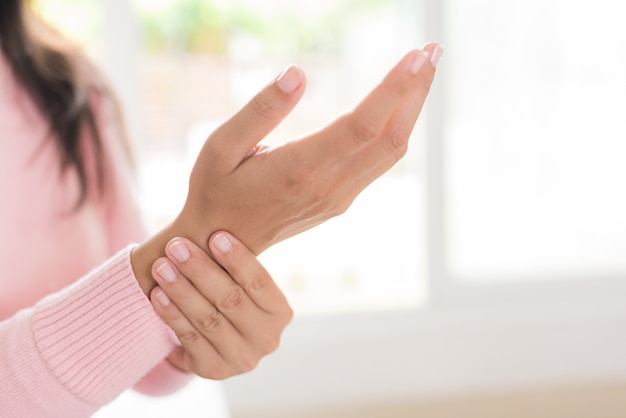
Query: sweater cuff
101, 335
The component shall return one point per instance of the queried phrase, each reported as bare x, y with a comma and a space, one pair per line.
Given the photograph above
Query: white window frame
466, 338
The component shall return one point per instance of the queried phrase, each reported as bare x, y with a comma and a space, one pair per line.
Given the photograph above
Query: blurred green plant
184, 25
205, 25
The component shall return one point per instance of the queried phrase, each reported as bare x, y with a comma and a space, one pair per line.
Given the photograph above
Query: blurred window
514, 175
524, 180
534, 134
200, 61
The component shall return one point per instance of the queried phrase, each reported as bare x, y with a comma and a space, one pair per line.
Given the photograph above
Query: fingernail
162, 298
436, 56
419, 58
166, 272
179, 251
290, 79
222, 242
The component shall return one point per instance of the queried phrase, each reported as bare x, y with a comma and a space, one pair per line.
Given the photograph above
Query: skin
264, 195
227, 316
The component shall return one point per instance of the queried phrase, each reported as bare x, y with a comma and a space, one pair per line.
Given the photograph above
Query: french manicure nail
222, 242
179, 251
436, 56
418, 60
166, 272
162, 298
290, 79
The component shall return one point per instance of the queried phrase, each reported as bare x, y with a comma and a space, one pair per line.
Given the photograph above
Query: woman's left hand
227, 316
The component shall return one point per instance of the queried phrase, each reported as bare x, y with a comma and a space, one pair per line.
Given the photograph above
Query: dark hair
60, 81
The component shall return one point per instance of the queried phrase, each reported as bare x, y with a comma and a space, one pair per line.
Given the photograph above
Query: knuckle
396, 143
189, 337
221, 375
233, 300
259, 282
288, 314
263, 106
248, 363
364, 131
270, 344
210, 322
213, 371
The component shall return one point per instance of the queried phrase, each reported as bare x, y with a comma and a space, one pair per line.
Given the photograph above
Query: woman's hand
264, 195
227, 318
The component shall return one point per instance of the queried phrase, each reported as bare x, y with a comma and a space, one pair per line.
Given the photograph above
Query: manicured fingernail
166, 272
418, 59
222, 242
290, 79
436, 56
162, 298
179, 251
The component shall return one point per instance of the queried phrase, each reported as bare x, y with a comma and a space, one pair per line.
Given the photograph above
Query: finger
205, 322
372, 114
244, 268
392, 144
243, 131
212, 281
353, 131
258, 331
258, 326
197, 354
200, 312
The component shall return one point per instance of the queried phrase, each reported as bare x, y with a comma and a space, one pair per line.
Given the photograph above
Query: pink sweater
71, 338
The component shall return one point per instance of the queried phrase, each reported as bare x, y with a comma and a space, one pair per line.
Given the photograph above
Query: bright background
492, 257
186, 65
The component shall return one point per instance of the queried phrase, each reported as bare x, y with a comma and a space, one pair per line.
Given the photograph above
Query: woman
66, 171
69, 345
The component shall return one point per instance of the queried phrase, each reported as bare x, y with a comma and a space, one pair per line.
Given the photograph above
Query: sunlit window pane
80, 20
535, 139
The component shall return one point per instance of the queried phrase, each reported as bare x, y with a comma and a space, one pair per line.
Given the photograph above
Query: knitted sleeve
79, 348
126, 224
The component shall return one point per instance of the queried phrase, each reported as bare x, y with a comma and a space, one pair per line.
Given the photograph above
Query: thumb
234, 139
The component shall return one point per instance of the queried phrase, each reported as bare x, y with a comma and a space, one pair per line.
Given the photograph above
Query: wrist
145, 254
192, 225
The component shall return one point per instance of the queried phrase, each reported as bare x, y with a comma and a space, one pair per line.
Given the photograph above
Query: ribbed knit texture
80, 348
68, 345
28, 389
98, 327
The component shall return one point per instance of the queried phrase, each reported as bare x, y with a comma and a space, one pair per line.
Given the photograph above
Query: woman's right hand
264, 195
227, 316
